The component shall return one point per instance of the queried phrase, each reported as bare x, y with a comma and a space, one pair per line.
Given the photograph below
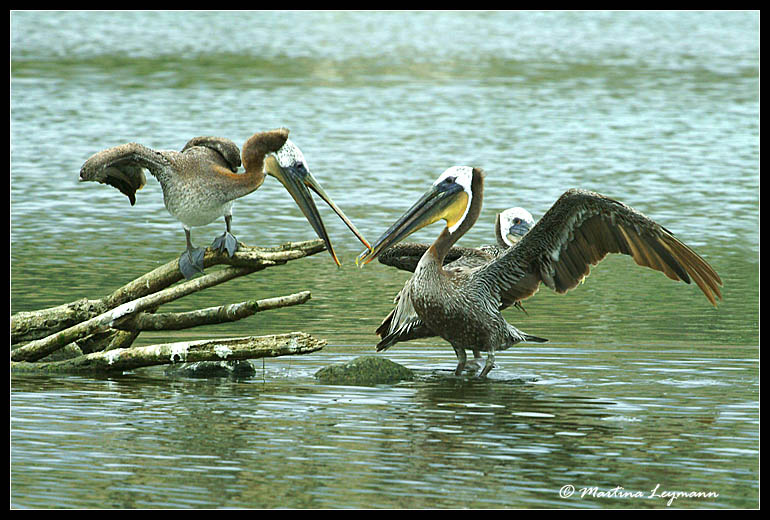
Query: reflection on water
642, 383
283, 440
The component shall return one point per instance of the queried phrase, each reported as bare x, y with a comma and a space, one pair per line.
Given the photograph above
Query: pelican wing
406, 256
123, 167
469, 258
228, 153
579, 230
402, 324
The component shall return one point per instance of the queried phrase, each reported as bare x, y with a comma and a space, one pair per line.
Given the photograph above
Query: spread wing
123, 167
579, 230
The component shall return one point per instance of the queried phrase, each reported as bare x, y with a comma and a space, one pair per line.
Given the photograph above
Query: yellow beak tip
360, 262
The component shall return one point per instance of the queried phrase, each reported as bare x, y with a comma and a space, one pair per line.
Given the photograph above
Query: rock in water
365, 370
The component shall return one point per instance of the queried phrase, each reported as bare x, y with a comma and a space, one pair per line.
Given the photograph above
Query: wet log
34, 325
40, 348
228, 349
182, 320
112, 323
31, 325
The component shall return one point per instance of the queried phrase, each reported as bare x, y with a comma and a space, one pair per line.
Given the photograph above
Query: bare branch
34, 325
28, 326
38, 349
213, 315
230, 349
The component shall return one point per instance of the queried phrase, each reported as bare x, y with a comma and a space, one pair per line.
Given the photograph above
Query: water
643, 384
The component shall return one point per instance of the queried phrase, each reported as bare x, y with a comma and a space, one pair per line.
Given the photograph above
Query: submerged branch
229, 349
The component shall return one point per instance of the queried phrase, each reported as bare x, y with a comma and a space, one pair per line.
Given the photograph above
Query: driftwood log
228, 349
100, 332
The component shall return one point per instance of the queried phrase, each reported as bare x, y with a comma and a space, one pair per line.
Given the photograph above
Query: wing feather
579, 230
406, 256
123, 166
229, 154
402, 324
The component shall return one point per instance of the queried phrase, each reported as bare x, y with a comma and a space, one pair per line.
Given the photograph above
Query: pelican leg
191, 261
226, 241
477, 362
489, 364
461, 359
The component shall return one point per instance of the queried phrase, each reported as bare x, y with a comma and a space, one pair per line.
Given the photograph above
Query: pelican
405, 256
515, 221
201, 182
464, 307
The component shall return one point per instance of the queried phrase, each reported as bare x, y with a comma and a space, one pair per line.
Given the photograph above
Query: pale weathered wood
256, 258
34, 325
31, 325
38, 349
227, 349
212, 315
86, 320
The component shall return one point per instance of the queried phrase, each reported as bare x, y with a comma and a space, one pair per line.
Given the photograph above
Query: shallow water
643, 384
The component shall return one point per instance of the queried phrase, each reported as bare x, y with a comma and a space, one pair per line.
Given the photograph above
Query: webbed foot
473, 367
191, 262
489, 365
225, 242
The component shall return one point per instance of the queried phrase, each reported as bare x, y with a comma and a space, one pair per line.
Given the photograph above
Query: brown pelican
463, 307
201, 182
406, 255
515, 221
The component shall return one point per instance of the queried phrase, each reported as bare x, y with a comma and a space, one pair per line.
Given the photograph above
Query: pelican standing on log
464, 306
201, 182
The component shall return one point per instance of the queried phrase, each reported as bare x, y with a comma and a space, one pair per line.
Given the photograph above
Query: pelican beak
297, 179
443, 201
517, 231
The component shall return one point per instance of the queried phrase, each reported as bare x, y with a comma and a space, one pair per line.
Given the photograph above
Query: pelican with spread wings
463, 306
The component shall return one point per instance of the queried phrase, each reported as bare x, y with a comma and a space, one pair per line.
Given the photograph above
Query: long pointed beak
297, 181
434, 205
313, 184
